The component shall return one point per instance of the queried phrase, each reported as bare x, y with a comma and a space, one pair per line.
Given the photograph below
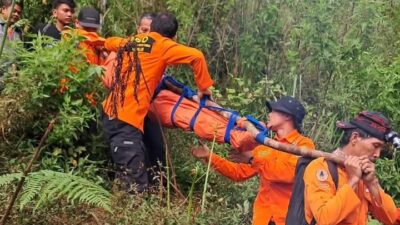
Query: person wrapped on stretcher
175, 110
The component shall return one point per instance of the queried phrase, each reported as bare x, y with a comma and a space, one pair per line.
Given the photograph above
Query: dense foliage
339, 57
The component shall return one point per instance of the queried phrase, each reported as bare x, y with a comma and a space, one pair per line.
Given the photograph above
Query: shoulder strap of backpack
334, 172
335, 177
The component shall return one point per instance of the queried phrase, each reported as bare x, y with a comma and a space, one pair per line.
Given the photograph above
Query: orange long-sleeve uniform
276, 172
90, 45
109, 69
155, 53
343, 206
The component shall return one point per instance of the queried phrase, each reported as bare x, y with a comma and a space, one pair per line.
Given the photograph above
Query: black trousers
154, 142
127, 152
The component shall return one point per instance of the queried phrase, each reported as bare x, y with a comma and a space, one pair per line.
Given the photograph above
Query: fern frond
52, 185
49, 185
32, 188
55, 184
75, 193
7, 179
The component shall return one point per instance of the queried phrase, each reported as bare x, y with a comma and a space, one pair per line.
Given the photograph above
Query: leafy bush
53, 81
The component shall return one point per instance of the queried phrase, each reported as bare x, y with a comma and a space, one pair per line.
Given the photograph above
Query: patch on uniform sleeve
322, 175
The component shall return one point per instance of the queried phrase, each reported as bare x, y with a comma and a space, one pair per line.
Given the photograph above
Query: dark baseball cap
70, 3
89, 17
374, 124
290, 106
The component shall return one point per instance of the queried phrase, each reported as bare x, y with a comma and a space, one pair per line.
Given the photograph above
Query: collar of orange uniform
154, 35
289, 138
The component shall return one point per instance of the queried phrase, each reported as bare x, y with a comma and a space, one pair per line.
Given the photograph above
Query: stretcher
180, 111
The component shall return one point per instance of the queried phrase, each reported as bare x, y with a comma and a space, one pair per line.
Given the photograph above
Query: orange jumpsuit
276, 172
155, 53
344, 206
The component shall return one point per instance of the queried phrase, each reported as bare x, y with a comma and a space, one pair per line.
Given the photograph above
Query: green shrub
52, 81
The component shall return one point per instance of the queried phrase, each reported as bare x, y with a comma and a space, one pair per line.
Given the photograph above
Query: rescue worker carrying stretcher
152, 136
275, 169
141, 62
358, 191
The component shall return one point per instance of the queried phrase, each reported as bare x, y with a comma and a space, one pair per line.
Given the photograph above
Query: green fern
32, 187
47, 186
9, 178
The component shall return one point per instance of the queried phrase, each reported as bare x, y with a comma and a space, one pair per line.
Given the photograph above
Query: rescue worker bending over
358, 191
142, 60
275, 169
152, 136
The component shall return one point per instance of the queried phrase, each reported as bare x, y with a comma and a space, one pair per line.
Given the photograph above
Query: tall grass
203, 198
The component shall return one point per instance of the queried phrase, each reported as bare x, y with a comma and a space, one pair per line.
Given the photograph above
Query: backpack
296, 214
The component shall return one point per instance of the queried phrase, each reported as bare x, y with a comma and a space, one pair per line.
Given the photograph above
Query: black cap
89, 17
372, 123
70, 3
291, 106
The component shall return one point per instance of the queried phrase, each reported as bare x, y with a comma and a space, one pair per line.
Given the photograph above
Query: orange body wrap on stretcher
207, 122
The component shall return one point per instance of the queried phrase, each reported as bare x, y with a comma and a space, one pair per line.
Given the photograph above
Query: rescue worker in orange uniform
142, 60
110, 62
152, 136
275, 169
358, 191
87, 25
